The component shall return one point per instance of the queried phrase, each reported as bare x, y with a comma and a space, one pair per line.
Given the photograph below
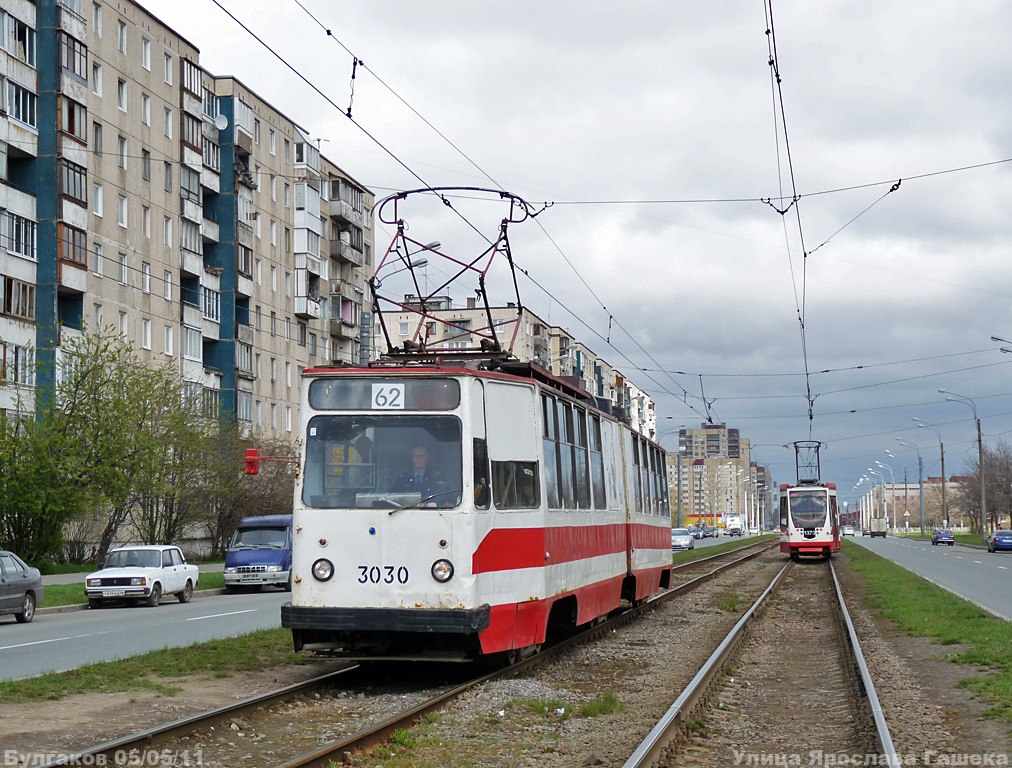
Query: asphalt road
974, 574
55, 642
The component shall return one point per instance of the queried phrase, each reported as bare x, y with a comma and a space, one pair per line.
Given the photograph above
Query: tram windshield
808, 508
382, 461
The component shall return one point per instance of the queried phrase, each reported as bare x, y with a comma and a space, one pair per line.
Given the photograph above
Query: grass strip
73, 594
160, 670
924, 610
688, 555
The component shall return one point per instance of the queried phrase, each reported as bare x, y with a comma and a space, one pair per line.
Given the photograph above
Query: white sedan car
682, 539
143, 573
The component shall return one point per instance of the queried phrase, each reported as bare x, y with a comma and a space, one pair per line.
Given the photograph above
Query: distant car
866, 531
144, 572
1000, 539
710, 532
734, 530
682, 539
20, 588
697, 533
942, 536
848, 530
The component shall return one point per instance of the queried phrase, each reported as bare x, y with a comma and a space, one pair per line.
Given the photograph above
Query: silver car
682, 539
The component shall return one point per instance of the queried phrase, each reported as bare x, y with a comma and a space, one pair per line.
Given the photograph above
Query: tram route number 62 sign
388, 397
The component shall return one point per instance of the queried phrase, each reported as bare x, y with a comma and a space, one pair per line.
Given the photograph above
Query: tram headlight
442, 571
323, 570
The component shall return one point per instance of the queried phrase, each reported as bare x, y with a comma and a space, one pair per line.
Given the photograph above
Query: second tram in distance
809, 520
454, 512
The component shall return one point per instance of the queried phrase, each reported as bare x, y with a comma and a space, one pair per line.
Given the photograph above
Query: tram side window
597, 464
636, 480
647, 481
580, 458
515, 484
783, 511
660, 481
548, 416
566, 472
481, 475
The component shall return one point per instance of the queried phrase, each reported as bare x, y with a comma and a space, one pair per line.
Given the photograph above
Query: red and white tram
542, 512
809, 519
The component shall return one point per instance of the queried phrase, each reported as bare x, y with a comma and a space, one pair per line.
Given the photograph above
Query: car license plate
113, 592
250, 577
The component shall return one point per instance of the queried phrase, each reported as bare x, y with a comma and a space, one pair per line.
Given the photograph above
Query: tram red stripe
505, 549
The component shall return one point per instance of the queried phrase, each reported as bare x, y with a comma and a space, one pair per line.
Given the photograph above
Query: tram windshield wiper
418, 504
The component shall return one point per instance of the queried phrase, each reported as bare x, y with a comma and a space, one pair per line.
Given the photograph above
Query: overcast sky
655, 129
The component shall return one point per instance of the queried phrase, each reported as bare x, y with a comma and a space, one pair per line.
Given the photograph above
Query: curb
84, 606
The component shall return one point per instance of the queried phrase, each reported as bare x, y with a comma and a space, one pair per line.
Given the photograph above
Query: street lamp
892, 489
882, 477
920, 477
968, 401
941, 451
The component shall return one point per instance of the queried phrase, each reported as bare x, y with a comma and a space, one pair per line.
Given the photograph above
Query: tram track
290, 721
789, 682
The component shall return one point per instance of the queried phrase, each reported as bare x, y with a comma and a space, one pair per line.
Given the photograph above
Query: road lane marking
1003, 567
219, 615
51, 640
977, 562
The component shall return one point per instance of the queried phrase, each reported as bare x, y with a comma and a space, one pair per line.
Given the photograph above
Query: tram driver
422, 478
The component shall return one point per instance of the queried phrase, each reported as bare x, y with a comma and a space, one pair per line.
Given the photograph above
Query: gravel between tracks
645, 664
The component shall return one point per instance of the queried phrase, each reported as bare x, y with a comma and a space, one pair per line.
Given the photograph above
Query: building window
96, 199
122, 268
146, 220
145, 333
96, 19
22, 105
20, 236
245, 265
97, 263
168, 69
145, 165
121, 36
17, 365
191, 78
74, 181
301, 331
244, 406
145, 277
167, 285
74, 119
212, 154
73, 56
192, 132
167, 231
189, 184
146, 53
189, 236
20, 40
122, 145
121, 95
191, 343
168, 176
121, 217
18, 299
167, 343
272, 141
146, 109
211, 304
167, 122
96, 79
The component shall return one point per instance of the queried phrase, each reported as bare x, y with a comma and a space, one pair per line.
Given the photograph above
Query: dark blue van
260, 553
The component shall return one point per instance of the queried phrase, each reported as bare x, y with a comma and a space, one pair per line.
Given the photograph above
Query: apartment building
712, 474
143, 194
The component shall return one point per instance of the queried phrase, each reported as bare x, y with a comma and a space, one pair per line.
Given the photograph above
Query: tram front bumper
453, 621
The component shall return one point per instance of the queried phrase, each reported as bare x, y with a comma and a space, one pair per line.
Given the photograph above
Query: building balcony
346, 212
344, 252
308, 262
192, 316
243, 285
191, 263
342, 329
210, 231
243, 141
73, 277
308, 308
